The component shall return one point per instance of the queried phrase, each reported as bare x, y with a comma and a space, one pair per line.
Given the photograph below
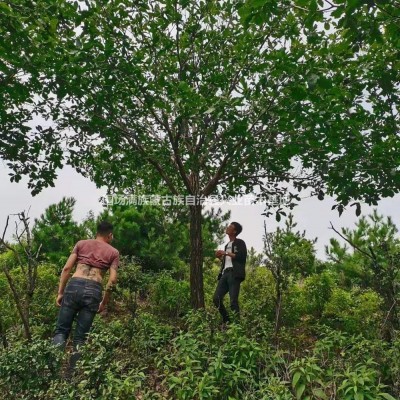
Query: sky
312, 215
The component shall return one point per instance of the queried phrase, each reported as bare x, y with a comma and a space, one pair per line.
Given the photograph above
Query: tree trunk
3, 335
278, 308
22, 309
390, 325
196, 257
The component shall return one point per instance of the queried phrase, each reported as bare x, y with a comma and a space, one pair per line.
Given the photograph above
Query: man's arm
65, 274
112, 281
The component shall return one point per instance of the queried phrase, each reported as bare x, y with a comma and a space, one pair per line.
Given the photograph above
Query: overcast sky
312, 215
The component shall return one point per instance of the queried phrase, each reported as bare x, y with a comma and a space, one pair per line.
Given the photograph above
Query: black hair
238, 227
104, 228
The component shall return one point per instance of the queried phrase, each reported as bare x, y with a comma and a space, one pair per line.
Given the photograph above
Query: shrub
27, 369
258, 294
355, 311
169, 297
146, 335
362, 382
318, 289
206, 364
44, 310
393, 364
269, 388
306, 300
132, 282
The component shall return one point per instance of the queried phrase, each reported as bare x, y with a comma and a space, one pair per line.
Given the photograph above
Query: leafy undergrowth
145, 359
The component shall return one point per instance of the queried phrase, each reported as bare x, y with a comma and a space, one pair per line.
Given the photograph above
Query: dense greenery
204, 97
332, 341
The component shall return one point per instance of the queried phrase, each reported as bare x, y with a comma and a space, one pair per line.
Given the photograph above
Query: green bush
44, 310
132, 284
146, 335
257, 294
318, 290
392, 360
27, 369
305, 300
8, 311
268, 388
342, 364
308, 379
113, 365
354, 311
104, 370
169, 297
204, 363
361, 381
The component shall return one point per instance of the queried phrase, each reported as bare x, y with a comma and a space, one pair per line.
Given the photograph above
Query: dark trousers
226, 284
81, 302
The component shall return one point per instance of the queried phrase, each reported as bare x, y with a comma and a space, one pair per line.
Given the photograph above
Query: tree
23, 257
374, 262
56, 231
199, 98
254, 259
288, 254
158, 236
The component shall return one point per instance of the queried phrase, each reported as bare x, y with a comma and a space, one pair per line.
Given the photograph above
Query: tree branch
352, 244
7, 246
136, 144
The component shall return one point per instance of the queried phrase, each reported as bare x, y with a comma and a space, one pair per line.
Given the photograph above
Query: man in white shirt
232, 273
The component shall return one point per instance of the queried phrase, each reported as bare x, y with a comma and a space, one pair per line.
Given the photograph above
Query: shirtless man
82, 298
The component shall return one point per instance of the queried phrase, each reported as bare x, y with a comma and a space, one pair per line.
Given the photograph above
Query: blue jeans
81, 301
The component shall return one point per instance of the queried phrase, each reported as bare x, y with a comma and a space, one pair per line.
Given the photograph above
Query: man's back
96, 253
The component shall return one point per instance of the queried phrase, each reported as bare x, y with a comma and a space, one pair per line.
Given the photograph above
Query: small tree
23, 256
57, 232
289, 254
254, 259
158, 236
374, 262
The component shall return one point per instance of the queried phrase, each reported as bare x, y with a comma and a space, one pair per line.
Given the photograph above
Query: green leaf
5, 7
300, 391
353, 4
359, 396
320, 394
53, 25
386, 396
338, 12
296, 378
298, 93
303, 3
324, 82
257, 3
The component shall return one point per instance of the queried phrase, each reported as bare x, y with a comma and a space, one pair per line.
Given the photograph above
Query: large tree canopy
27, 36
209, 97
